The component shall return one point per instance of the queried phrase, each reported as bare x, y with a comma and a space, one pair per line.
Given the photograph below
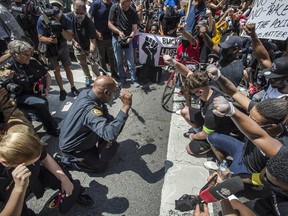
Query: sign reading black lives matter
152, 47
271, 19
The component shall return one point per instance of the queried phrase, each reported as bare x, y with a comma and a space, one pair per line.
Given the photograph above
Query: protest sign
271, 19
152, 48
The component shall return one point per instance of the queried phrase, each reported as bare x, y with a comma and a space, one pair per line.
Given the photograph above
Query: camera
123, 42
10, 86
188, 203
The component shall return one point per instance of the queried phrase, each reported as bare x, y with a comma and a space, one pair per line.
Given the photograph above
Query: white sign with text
152, 47
271, 19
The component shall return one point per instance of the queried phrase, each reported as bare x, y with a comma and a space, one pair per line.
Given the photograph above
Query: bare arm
207, 40
259, 50
67, 34
247, 126
256, 134
229, 88
48, 83
114, 29
50, 164
14, 205
189, 36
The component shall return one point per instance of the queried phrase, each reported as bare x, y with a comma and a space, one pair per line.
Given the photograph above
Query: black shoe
63, 95
74, 91
85, 200
115, 76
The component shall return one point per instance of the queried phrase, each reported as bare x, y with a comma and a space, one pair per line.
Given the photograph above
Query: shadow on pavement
129, 157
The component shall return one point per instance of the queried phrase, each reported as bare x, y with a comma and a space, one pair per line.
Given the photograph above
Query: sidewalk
185, 174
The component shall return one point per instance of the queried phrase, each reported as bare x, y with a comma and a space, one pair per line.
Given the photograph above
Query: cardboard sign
271, 19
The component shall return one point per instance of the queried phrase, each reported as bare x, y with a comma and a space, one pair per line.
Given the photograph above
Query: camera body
188, 203
123, 42
8, 84
54, 26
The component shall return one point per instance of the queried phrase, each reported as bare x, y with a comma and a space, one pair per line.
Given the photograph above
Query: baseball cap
56, 2
233, 41
279, 68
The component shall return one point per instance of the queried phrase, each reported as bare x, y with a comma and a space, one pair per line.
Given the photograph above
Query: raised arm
207, 40
179, 67
228, 87
259, 50
247, 126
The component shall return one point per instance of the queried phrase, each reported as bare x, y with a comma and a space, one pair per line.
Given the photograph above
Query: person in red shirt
189, 46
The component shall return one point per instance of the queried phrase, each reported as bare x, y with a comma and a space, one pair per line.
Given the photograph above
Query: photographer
28, 73
55, 35
27, 13
123, 23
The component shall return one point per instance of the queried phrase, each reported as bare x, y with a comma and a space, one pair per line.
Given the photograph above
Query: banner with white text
152, 47
271, 19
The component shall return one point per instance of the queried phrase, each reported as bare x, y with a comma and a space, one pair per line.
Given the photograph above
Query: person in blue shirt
57, 48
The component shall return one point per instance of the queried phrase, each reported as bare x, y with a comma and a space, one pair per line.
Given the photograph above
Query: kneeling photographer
54, 29
28, 82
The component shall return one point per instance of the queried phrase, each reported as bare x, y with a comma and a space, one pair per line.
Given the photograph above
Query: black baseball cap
279, 68
233, 41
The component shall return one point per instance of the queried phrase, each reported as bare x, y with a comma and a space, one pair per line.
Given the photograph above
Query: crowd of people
251, 129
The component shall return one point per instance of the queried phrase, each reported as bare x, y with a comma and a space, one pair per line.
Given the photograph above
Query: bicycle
171, 100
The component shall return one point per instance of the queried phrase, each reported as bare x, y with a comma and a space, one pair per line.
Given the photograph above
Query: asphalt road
132, 185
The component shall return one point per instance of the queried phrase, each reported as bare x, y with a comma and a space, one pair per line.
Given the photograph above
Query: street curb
184, 174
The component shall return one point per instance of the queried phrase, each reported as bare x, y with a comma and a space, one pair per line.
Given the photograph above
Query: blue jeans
129, 55
231, 146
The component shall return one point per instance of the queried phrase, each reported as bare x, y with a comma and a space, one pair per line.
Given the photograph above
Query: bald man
88, 133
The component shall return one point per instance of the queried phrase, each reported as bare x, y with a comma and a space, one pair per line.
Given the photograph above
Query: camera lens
14, 88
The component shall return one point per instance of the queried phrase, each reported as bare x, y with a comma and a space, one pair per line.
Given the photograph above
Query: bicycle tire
169, 88
170, 103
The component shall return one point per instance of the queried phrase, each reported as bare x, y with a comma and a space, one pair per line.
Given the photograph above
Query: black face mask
277, 190
185, 43
226, 54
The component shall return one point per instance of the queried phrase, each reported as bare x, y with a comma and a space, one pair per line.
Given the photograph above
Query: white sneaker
178, 112
211, 165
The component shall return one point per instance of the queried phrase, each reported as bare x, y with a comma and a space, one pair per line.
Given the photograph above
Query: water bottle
224, 170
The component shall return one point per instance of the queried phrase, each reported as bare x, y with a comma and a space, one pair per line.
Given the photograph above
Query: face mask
80, 17
226, 54
185, 43
60, 13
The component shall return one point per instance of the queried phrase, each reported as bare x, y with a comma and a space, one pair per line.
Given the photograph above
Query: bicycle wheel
171, 100
169, 88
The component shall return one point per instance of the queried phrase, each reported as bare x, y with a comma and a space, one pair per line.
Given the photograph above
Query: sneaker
74, 91
136, 84
190, 131
211, 165
178, 112
63, 95
88, 83
115, 76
